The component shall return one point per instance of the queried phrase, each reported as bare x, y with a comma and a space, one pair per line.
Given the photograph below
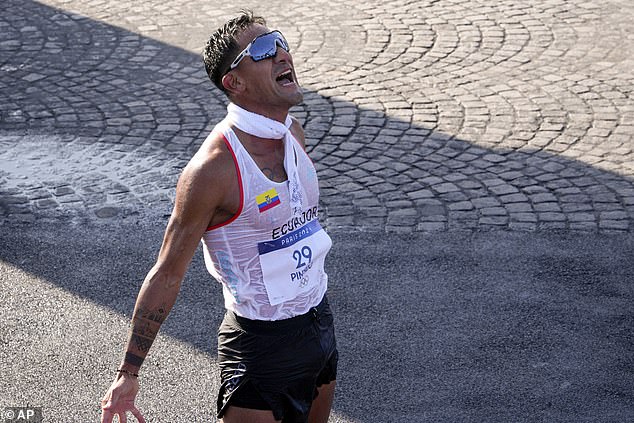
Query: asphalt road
497, 134
446, 327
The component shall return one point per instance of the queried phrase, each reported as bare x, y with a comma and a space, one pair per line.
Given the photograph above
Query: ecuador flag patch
267, 200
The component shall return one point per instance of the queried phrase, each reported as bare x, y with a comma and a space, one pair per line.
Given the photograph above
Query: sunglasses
262, 47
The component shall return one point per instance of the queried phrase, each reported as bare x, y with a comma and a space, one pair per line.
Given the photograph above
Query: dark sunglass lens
263, 47
281, 41
266, 46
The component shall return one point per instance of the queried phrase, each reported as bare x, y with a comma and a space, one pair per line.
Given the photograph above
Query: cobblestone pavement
426, 115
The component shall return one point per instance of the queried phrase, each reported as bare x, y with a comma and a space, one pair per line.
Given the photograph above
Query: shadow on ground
445, 327
493, 327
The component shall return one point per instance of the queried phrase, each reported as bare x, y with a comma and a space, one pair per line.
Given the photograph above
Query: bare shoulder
201, 193
298, 132
205, 185
212, 160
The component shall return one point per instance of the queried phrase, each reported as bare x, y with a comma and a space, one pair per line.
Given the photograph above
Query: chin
291, 99
298, 98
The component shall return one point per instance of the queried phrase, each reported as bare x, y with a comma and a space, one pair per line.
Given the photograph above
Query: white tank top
270, 264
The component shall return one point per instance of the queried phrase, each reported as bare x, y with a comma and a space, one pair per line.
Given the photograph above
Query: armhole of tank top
241, 206
302, 149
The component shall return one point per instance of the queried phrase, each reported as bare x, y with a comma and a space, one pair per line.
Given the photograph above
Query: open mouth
285, 78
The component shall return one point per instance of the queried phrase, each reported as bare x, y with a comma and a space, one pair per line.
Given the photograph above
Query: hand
119, 399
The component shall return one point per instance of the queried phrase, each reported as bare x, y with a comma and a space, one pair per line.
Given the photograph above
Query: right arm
200, 198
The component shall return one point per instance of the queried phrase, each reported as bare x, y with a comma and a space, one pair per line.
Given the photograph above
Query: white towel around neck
263, 127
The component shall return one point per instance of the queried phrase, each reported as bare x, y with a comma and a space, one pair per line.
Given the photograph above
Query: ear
232, 82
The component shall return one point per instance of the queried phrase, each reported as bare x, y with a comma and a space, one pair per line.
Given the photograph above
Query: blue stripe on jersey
287, 240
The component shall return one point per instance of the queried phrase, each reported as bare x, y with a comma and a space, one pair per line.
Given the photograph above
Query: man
251, 194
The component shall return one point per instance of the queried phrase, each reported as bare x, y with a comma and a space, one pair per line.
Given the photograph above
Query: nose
282, 55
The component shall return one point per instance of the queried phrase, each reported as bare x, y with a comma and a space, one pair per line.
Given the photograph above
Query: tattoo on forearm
142, 344
145, 329
145, 326
133, 359
153, 315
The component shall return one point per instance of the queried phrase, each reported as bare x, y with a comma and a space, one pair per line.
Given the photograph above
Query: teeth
284, 75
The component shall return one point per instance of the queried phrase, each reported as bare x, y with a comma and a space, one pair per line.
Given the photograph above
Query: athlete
251, 194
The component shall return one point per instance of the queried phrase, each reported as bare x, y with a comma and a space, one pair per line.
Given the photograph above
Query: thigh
241, 415
320, 410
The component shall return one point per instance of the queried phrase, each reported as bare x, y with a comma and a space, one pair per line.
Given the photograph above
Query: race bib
294, 263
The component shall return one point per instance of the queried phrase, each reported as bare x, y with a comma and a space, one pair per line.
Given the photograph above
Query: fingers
136, 413
106, 404
108, 412
106, 416
108, 399
114, 396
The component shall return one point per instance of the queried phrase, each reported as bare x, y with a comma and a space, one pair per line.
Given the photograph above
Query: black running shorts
276, 365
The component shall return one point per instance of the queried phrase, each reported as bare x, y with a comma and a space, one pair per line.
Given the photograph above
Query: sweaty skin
207, 194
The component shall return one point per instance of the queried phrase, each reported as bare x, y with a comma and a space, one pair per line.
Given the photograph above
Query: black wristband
133, 359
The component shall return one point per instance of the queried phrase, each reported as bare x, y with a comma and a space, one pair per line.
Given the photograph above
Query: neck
267, 110
266, 143
256, 124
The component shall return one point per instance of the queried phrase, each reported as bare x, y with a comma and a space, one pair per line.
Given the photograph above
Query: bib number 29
302, 257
